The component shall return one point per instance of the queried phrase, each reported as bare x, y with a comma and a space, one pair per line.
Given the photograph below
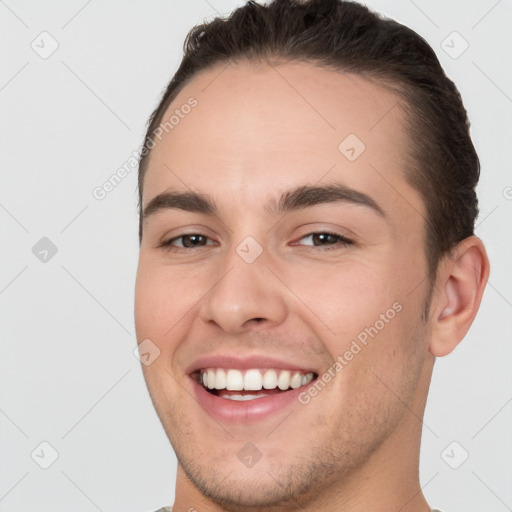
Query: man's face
263, 286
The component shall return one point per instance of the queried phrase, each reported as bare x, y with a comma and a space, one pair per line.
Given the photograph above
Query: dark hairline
442, 164
388, 83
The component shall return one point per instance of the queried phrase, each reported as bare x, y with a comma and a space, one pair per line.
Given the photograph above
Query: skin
257, 132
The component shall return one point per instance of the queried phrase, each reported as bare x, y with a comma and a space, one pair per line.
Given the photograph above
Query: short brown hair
347, 36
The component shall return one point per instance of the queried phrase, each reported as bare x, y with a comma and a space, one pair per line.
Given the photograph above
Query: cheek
379, 375
161, 296
149, 292
370, 318
167, 299
158, 307
347, 297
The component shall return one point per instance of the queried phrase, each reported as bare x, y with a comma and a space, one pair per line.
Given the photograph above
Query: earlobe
460, 285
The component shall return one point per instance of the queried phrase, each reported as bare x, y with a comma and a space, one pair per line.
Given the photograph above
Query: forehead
259, 128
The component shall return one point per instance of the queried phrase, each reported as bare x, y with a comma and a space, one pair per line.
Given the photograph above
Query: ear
460, 284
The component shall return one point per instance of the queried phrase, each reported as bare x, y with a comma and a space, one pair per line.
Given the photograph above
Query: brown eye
193, 240
326, 239
189, 241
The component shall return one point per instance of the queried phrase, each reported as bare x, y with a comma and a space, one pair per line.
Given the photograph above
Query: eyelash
342, 241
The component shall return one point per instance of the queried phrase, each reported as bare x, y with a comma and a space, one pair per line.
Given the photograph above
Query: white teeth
306, 379
295, 380
252, 380
242, 398
234, 380
220, 379
270, 379
211, 378
283, 382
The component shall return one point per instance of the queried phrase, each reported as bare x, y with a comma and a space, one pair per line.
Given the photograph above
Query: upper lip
244, 363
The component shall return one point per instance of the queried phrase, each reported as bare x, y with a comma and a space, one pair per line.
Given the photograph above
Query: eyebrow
292, 200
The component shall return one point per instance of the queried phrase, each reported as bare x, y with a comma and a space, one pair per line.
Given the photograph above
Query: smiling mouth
251, 384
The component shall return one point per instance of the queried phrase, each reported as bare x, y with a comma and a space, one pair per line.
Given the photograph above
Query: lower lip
243, 412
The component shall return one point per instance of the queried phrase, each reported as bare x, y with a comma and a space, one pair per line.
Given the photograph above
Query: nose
244, 295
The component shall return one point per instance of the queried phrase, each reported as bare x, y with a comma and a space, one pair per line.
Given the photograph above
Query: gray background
68, 374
